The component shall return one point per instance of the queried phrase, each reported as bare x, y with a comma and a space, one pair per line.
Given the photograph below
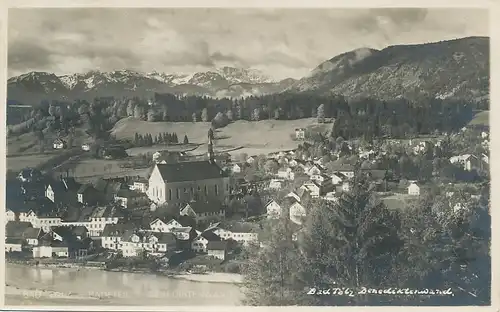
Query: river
50, 287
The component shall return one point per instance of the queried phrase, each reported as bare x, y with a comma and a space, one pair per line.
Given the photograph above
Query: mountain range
448, 69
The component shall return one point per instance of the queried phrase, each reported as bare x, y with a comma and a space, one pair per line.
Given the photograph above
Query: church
181, 182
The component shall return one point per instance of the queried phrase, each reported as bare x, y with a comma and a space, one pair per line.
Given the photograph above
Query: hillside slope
447, 69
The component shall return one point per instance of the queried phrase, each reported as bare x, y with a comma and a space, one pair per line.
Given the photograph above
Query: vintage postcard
223, 157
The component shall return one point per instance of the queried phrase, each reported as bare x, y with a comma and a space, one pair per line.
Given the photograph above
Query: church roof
190, 171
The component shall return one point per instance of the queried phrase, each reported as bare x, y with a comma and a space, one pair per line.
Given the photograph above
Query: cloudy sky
282, 43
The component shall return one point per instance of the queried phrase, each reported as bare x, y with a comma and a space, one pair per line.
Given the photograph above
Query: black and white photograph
247, 157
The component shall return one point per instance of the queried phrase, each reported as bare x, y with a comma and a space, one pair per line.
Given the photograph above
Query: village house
235, 168
201, 211
315, 170
185, 181
86, 147
200, 243
51, 249
217, 249
413, 189
331, 196
9, 215
243, 232
286, 173
127, 198
273, 209
14, 244
293, 163
140, 185
297, 212
24, 231
111, 236
88, 195
337, 178
275, 184
44, 222
346, 186
59, 144
162, 225
468, 162
167, 157
250, 160
300, 133
313, 188
184, 233
135, 243
102, 216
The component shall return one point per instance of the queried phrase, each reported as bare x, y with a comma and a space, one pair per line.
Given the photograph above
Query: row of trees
161, 138
358, 243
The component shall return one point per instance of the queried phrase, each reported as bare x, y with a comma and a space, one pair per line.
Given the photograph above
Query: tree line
161, 138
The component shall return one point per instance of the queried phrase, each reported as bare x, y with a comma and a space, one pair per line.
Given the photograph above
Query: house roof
190, 171
31, 233
205, 206
239, 227
210, 236
165, 238
124, 193
85, 187
217, 245
116, 230
184, 229
16, 228
17, 241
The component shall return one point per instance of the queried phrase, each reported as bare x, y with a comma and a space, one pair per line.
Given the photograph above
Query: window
206, 190
216, 189
154, 191
161, 193
199, 188
178, 193
192, 190
185, 190
170, 194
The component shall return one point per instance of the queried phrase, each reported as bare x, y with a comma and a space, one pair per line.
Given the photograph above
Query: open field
134, 151
481, 118
256, 137
17, 163
93, 168
399, 201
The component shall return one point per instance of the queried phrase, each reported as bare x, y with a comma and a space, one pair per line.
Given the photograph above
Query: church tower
211, 145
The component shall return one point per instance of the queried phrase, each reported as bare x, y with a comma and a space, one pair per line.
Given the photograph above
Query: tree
271, 276
271, 166
204, 115
130, 108
321, 113
186, 141
256, 114
138, 112
151, 115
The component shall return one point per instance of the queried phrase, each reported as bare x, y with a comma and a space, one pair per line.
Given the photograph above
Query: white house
13, 245
297, 213
331, 196
484, 135
293, 163
9, 215
273, 209
321, 179
315, 170
236, 168
300, 133
159, 225
312, 188
286, 174
250, 159
337, 178
59, 144
200, 243
86, 147
238, 231
203, 210
275, 184
139, 186
217, 249
413, 189
346, 186
134, 243
44, 223
468, 161
42, 252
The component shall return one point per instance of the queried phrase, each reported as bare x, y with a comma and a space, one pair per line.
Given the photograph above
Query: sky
281, 43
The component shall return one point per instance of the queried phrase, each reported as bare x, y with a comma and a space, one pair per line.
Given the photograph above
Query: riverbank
30, 285
209, 277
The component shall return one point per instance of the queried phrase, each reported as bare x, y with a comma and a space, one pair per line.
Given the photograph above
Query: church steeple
210, 145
